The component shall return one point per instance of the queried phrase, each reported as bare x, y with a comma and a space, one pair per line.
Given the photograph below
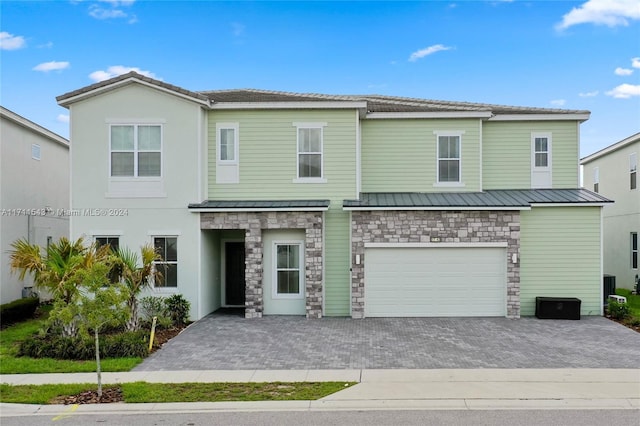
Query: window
136, 151
633, 171
289, 276
309, 151
227, 143
114, 242
448, 158
35, 151
167, 247
596, 179
634, 250
541, 150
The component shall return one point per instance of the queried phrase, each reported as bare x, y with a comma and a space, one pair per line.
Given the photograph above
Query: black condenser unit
558, 308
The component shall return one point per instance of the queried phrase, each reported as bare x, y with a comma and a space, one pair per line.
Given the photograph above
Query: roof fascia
257, 209
432, 114
18, 119
581, 204
611, 148
290, 105
439, 208
541, 117
125, 82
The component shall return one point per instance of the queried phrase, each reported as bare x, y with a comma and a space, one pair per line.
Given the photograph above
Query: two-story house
613, 172
34, 192
324, 205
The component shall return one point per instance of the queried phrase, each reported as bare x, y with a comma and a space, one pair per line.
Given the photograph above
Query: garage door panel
469, 281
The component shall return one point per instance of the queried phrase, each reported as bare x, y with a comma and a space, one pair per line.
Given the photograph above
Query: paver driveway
225, 342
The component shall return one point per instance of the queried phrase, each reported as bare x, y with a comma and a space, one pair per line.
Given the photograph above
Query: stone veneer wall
253, 223
393, 226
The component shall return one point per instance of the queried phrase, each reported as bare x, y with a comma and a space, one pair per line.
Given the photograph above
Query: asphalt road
351, 418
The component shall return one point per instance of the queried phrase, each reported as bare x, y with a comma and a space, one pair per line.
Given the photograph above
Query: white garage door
433, 282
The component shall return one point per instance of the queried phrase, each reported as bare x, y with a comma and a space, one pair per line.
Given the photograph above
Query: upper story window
596, 179
541, 160
35, 151
541, 152
449, 158
310, 152
136, 150
228, 143
633, 171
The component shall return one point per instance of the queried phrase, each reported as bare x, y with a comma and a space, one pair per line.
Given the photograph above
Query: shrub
618, 310
127, 344
18, 310
178, 308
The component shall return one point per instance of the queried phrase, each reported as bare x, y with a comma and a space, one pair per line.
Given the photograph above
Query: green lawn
633, 301
10, 363
179, 392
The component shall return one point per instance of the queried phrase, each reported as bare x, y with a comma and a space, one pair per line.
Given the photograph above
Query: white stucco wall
25, 184
133, 214
622, 217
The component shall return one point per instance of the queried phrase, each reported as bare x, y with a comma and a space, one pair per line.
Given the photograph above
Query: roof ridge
282, 92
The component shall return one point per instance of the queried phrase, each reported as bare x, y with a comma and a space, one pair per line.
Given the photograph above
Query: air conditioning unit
619, 299
558, 308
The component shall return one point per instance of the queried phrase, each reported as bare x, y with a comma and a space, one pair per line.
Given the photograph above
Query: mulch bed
633, 327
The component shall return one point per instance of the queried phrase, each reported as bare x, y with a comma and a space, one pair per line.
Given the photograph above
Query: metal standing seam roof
515, 198
260, 204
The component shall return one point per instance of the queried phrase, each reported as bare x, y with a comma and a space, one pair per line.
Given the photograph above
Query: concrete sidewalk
449, 389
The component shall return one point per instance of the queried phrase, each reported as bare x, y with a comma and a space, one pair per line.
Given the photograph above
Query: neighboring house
34, 191
324, 205
613, 172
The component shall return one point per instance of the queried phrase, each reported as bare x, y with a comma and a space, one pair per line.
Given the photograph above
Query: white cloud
113, 10
47, 45
11, 42
558, 102
237, 28
418, 54
51, 66
602, 12
588, 94
635, 62
625, 91
63, 118
623, 71
116, 70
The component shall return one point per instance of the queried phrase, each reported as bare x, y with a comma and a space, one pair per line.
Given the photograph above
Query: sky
582, 55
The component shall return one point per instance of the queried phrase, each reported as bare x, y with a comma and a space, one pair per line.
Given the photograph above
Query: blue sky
558, 54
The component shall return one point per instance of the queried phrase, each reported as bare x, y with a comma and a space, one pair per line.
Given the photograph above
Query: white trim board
436, 245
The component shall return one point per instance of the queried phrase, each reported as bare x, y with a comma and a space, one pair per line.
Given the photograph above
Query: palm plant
136, 273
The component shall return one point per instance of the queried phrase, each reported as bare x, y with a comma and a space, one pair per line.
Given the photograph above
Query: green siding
506, 153
268, 156
401, 155
560, 256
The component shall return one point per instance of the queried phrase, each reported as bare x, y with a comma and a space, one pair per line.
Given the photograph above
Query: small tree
136, 273
101, 304
61, 272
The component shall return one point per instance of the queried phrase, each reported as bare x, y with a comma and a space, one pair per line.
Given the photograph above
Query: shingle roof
515, 198
260, 204
375, 103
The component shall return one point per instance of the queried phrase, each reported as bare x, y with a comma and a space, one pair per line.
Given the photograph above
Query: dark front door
234, 273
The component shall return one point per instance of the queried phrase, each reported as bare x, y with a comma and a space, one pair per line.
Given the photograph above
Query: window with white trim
634, 250
310, 156
167, 247
35, 151
135, 150
227, 143
633, 171
541, 151
596, 179
289, 274
113, 242
449, 158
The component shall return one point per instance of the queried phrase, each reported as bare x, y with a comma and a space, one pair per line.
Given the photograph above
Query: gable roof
375, 106
611, 148
28, 124
123, 80
514, 199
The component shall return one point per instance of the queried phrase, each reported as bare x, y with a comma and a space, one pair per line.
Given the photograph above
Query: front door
234, 273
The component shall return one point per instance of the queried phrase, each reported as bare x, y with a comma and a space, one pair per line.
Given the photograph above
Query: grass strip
141, 392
